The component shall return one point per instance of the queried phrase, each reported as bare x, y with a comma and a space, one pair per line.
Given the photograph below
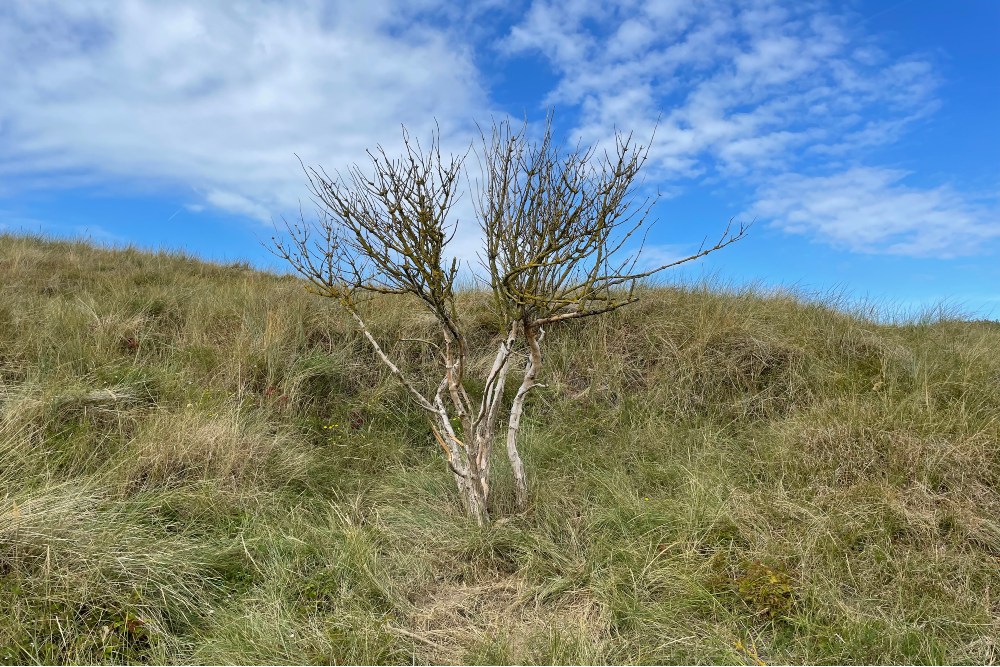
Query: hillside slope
203, 463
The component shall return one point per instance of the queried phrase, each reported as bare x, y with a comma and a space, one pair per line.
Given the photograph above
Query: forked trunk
471, 480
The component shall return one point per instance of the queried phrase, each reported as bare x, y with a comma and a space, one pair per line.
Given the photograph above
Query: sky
861, 137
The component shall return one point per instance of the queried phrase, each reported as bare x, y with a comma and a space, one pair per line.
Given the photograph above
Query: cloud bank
219, 96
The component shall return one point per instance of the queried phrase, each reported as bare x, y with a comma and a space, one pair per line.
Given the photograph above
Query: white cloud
756, 93
218, 96
738, 87
872, 210
237, 203
214, 99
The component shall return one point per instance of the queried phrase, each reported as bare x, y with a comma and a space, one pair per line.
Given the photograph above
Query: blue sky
861, 136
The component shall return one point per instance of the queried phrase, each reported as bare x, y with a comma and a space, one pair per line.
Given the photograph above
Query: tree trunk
475, 503
468, 478
476, 495
517, 410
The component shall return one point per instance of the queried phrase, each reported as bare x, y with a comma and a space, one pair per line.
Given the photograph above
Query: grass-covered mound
203, 463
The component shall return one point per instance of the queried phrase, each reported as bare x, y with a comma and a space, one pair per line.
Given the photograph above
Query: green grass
203, 463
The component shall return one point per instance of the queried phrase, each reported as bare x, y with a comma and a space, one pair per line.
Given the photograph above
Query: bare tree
562, 240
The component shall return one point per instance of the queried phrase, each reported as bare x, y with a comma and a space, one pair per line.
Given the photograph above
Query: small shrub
767, 592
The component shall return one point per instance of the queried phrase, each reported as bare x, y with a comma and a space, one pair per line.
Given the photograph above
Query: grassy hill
203, 463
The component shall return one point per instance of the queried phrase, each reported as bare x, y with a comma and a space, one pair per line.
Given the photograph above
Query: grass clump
202, 463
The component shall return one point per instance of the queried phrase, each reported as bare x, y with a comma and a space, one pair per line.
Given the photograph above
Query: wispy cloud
783, 99
218, 96
873, 210
737, 87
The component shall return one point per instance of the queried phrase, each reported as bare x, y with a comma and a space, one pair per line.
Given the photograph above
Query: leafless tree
562, 234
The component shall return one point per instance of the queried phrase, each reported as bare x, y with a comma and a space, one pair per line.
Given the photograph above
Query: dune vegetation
202, 463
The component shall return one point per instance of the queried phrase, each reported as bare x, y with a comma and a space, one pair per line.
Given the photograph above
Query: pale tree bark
528, 383
485, 423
